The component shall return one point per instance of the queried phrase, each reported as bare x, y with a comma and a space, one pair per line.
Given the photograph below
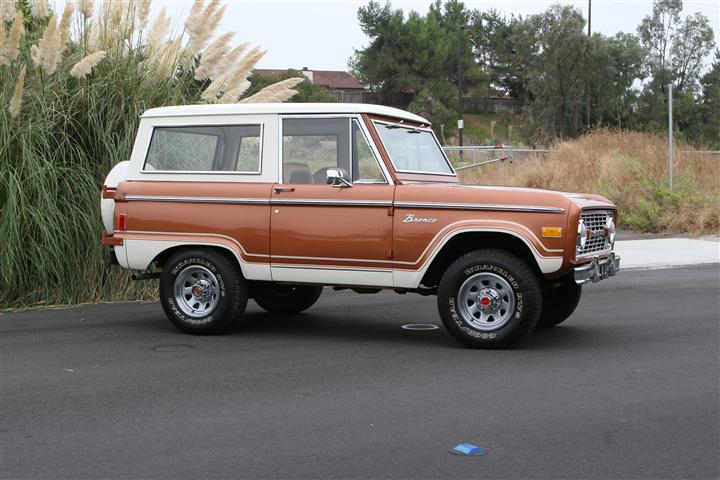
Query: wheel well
163, 256
469, 241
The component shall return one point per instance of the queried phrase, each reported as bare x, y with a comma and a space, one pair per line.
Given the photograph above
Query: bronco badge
411, 218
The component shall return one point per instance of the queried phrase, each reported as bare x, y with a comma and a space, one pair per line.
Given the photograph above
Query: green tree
503, 47
557, 71
614, 64
710, 84
676, 49
416, 53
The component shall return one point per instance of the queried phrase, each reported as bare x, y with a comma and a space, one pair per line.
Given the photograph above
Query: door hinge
391, 211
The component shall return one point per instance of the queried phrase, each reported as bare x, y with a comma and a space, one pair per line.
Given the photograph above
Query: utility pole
587, 83
670, 138
461, 124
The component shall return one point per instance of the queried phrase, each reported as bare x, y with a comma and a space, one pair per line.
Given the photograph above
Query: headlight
581, 235
609, 231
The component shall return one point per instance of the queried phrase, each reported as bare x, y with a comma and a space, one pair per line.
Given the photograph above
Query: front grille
595, 222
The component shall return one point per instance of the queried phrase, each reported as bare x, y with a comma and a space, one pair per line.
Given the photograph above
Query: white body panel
107, 205
244, 109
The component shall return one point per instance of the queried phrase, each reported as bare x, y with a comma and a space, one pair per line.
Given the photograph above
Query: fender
144, 247
548, 260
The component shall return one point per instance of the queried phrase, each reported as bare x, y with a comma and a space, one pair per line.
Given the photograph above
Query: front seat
298, 173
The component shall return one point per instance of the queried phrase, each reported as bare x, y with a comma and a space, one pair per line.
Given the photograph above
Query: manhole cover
420, 326
172, 348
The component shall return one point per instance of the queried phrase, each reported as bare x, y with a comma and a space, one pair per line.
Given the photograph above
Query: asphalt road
627, 388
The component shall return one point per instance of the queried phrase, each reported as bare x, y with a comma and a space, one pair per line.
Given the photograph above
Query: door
327, 234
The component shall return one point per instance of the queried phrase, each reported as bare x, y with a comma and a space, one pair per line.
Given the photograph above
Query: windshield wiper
395, 125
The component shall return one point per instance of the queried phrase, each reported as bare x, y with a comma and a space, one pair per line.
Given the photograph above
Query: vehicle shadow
357, 328
349, 328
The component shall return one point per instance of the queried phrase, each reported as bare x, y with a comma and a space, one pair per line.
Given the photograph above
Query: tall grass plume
59, 136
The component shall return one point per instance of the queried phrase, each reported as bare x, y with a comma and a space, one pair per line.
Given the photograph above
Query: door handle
279, 189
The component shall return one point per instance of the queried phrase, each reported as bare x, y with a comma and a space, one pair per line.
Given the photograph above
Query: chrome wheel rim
486, 301
197, 292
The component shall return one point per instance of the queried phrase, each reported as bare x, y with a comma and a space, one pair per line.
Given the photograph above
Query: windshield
413, 149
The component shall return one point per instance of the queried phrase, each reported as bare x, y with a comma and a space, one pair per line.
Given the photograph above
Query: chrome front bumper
598, 269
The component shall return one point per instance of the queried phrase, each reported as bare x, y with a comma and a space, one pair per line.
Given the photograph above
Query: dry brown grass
631, 169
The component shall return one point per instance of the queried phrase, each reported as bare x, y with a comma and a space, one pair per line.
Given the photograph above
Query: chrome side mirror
338, 178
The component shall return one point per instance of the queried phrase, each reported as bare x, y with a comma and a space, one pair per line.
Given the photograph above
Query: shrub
72, 89
631, 169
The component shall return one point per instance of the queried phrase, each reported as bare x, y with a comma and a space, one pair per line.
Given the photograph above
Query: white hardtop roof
282, 108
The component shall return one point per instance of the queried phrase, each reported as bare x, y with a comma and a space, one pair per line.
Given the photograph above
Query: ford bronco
272, 202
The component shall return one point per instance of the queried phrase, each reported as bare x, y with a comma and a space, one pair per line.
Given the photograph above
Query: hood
460, 193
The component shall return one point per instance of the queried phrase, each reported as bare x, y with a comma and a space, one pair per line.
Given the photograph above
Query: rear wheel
202, 291
489, 299
559, 302
286, 298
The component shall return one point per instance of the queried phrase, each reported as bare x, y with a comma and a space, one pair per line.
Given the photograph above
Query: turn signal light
552, 232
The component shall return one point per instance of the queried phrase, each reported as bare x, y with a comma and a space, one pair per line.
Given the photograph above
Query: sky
323, 34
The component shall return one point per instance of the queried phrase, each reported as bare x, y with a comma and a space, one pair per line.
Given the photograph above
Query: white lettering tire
489, 299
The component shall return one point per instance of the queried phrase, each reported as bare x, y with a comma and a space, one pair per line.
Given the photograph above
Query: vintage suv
274, 201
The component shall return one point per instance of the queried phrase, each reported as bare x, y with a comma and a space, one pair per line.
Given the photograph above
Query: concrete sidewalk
667, 252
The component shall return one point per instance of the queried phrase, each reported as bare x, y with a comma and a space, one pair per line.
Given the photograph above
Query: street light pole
459, 86
587, 83
670, 137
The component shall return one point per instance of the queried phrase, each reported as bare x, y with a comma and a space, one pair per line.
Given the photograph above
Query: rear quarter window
219, 149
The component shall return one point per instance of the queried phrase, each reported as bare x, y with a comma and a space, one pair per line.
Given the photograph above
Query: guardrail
471, 156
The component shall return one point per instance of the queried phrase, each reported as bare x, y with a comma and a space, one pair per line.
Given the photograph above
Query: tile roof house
343, 85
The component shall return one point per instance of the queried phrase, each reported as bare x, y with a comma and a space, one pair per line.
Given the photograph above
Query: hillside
631, 169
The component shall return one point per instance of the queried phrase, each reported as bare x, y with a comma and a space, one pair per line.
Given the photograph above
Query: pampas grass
85, 7
83, 68
40, 8
157, 35
47, 52
65, 25
16, 100
233, 83
213, 55
17, 30
70, 113
278, 92
7, 11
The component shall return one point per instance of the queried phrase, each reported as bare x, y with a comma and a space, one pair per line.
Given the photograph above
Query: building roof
282, 108
332, 79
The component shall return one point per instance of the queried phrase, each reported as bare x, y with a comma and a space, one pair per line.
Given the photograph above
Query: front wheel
489, 299
202, 291
286, 298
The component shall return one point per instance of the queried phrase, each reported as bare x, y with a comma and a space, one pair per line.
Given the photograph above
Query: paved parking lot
627, 388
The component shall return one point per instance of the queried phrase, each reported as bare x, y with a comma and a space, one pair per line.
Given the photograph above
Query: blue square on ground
469, 449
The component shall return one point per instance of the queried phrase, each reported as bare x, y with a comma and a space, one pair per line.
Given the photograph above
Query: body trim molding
479, 206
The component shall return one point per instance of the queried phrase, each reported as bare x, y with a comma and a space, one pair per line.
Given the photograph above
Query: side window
233, 148
249, 149
365, 165
312, 145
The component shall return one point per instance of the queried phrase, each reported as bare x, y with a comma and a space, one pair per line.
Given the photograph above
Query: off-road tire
559, 302
286, 299
231, 287
524, 294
